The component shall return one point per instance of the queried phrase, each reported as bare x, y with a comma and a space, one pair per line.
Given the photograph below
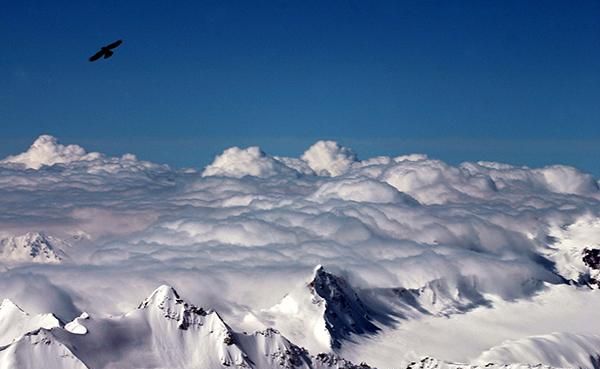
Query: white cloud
329, 158
46, 150
237, 163
360, 190
563, 179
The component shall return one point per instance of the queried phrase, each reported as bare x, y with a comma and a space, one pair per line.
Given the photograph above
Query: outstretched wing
96, 56
114, 44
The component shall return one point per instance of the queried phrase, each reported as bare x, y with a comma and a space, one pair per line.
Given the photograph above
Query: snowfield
319, 261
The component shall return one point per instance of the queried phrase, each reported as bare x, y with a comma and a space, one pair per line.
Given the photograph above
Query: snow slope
556, 349
570, 244
15, 322
319, 314
38, 349
432, 363
167, 332
464, 338
32, 247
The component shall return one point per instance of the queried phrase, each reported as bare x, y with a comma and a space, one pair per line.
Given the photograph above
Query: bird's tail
108, 54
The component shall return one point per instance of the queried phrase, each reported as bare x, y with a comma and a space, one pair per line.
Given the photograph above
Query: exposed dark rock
345, 313
591, 258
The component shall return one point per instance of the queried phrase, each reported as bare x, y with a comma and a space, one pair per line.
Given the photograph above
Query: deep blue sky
513, 81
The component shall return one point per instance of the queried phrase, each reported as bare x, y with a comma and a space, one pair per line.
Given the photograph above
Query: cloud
435, 182
237, 163
360, 190
38, 295
324, 158
329, 158
46, 150
563, 179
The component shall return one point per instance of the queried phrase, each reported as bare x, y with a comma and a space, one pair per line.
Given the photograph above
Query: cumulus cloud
360, 190
329, 158
563, 179
237, 163
433, 181
324, 158
46, 150
554, 178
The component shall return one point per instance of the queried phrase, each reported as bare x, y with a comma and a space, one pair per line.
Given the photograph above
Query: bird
106, 51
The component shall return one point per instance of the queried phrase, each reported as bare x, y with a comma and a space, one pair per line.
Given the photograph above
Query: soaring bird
105, 51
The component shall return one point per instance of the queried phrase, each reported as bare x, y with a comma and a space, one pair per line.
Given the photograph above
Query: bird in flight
106, 51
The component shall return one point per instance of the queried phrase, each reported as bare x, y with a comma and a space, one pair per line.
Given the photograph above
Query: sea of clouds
240, 233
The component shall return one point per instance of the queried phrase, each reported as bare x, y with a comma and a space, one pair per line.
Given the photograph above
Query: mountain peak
166, 300
322, 278
39, 348
321, 313
328, 286
318, 270
14, 322
34, 247
345, 313
162, 296
7, 306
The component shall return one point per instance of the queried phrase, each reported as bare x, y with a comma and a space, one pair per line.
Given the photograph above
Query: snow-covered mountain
591, 258
575, 250
345, 314
165, 331
438, 297
14, 322
327, 310
433, 363
32, 247
321, 313
39, 349
556, 349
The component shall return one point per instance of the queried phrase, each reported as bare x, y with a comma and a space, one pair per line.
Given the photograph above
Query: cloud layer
250, 227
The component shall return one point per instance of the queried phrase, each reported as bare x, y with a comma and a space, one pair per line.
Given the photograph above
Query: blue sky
513, 81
